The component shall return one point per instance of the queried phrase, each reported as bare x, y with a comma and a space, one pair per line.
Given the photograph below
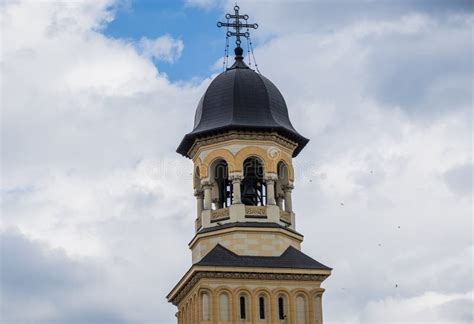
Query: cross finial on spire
237, 25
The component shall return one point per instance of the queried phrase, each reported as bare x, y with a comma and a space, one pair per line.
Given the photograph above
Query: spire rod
237, 24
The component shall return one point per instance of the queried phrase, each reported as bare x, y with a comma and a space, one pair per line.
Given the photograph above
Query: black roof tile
241, 99
291, 258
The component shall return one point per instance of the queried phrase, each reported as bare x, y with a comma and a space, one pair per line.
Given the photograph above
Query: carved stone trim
234, 135
285, 216
236, 176
219, 214
271, 176
242, 276
206, 184
198, 193
255, 212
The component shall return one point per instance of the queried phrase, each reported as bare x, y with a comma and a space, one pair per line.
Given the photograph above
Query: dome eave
188, 140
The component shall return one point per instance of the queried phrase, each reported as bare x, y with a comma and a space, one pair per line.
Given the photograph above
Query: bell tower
247, 264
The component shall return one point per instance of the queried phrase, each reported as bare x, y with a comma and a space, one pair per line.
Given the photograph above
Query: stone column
199, 194
236, 180
280, 199
271, 192
207, 186
270, 179
288, 202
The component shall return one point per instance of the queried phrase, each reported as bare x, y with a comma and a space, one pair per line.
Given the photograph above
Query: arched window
283, 172
318, 313
223, 187
262, 305
243, 307
281, 308
253, 184
283, 180
300, 310
224, 313
206, 314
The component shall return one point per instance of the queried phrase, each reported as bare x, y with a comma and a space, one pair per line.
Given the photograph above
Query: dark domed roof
241, 99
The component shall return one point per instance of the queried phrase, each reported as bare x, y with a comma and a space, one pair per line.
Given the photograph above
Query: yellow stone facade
234, 151
212, 295
303, 301
246, 241
272, 151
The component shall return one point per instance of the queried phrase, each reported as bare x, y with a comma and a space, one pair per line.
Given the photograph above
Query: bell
249, 192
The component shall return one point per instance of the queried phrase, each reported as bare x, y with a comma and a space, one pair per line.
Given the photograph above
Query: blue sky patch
203, 41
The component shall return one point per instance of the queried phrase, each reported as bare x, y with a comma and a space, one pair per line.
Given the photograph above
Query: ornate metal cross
237, 25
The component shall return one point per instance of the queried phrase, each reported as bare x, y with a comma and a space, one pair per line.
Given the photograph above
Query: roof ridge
290, 258
233, 96
272, 112
289, 249
267, 97
218, 245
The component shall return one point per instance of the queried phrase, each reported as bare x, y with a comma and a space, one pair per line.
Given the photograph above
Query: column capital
198, 193
288, 187
236, 177
206, 184
271, 176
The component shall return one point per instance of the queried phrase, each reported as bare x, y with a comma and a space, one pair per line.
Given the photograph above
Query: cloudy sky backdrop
97, 208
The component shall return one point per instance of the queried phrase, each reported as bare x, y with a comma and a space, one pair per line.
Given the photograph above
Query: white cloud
400, 223
206, 4
87, 150
89, 167
163, 48
432, 307
460, 178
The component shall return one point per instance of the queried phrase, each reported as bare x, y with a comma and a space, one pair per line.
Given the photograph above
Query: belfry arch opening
222, 187
281, 183
197, 179
253, 186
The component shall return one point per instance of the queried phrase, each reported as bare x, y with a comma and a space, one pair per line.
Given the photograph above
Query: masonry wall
192, 310
244, 242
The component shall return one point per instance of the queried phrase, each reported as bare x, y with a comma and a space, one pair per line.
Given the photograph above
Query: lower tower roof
291, 258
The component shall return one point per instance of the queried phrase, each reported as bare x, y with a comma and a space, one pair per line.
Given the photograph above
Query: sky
97, 208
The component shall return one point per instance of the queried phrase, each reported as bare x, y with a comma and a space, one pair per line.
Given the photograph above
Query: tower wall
248, 266
246, 241
302, 302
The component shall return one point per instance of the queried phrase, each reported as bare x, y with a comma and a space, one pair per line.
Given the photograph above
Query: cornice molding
236, 135
179, 293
